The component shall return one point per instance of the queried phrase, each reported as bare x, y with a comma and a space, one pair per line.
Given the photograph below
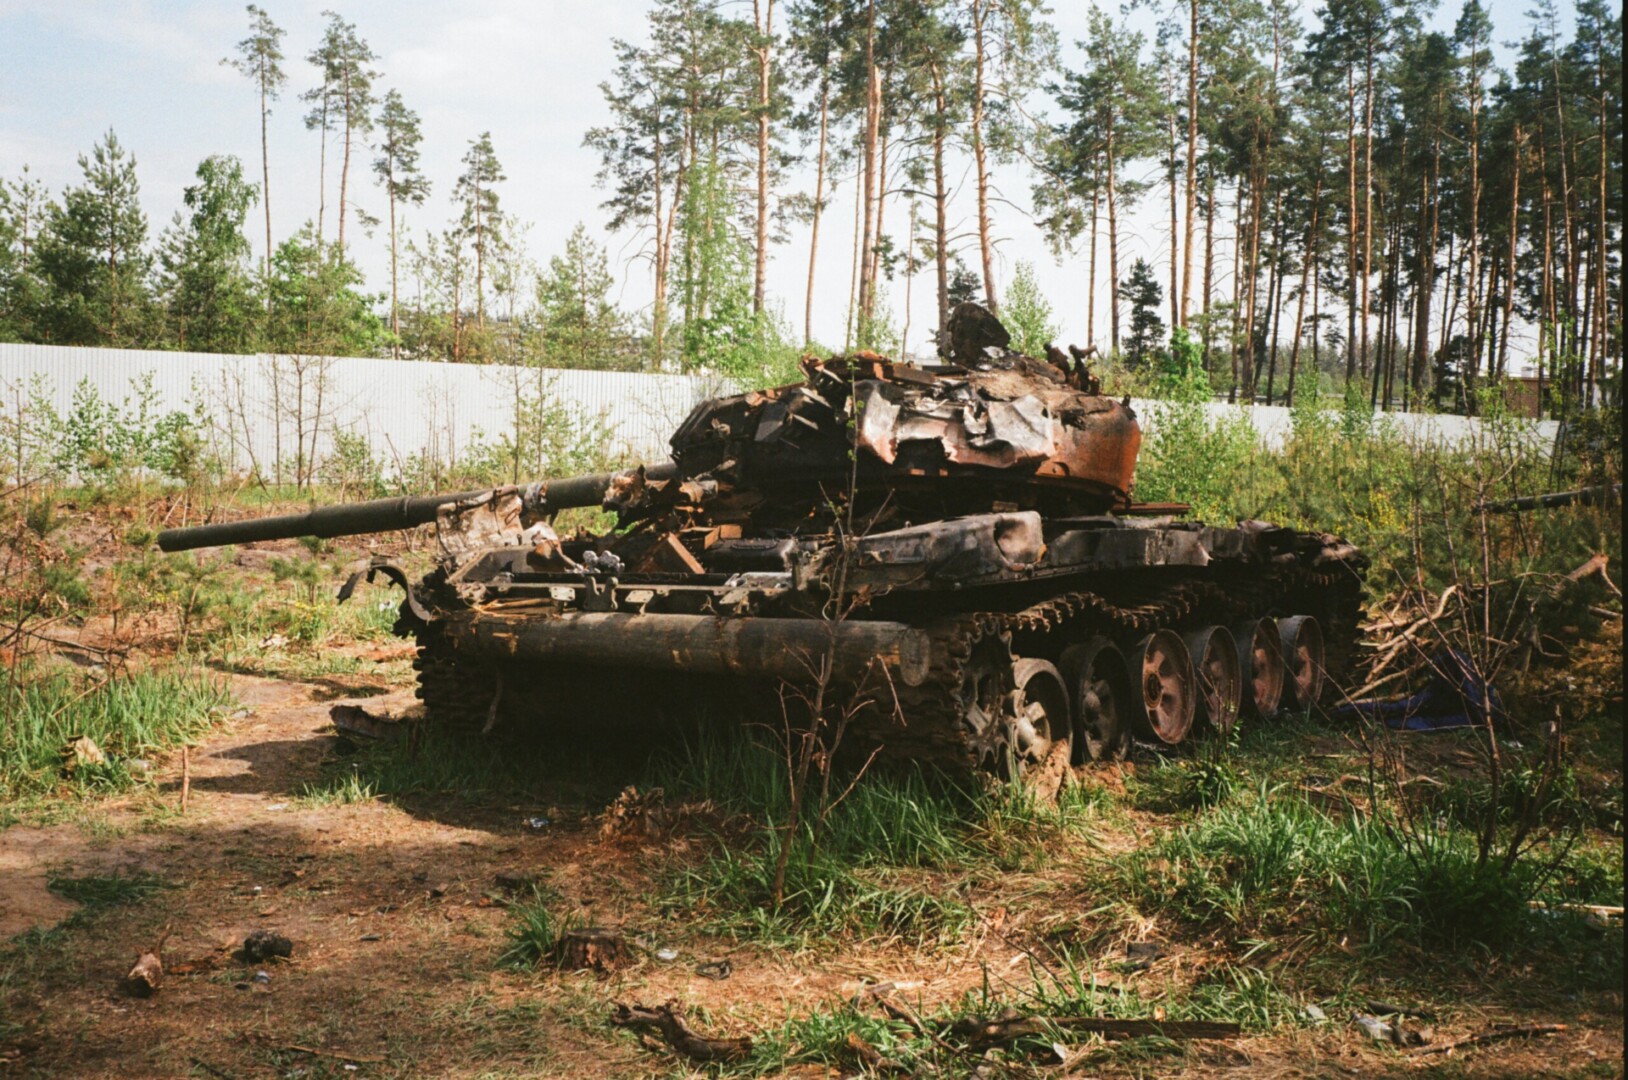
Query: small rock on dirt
1140, 955
265, 945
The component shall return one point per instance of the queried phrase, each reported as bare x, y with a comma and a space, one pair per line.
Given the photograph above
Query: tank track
458, 691
928, 725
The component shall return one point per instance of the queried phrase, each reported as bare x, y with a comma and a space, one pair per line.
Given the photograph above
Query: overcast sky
527, 70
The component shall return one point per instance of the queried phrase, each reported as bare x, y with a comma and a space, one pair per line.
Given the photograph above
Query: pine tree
353, 92
482, 217
1011, 44
1109, 119
22, 207
323, 99
260, 57
317, 306
581, 327
397, 167
1141, 288
92, 256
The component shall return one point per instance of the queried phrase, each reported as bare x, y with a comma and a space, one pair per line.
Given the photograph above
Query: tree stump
600, 948
146, 977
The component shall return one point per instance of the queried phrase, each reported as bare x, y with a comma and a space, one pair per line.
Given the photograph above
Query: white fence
267, 408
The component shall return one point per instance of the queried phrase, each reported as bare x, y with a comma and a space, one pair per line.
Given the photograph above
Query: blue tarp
1455, 697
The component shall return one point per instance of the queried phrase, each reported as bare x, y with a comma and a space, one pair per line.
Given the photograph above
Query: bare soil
398, 923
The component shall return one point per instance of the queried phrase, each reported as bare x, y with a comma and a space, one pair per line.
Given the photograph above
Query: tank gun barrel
386, 515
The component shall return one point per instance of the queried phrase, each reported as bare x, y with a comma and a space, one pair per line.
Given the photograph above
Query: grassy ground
424, 903
1282, 881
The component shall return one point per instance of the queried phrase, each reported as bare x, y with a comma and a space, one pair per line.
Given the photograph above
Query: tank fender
396, 576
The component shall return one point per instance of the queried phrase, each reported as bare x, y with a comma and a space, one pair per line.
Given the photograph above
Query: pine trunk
980, 159
1175, 275
868, 195
1310, 254
344, 166
819, 207
395, 317
764, 59
1368, 195
265, 186
1113, 248
941, 199
1352, 221
1192, 158
1091, 272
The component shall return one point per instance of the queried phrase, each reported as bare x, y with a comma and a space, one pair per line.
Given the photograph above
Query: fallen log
1480, 1038
668, 1021
982, 1032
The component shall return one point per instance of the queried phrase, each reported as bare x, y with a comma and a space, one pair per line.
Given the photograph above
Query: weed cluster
1269, 863
125, 717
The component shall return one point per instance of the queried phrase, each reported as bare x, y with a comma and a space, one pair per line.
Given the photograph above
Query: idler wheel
1220, 685
1169, 686
1302, 643
1096, 672
1038, 723
1260, 664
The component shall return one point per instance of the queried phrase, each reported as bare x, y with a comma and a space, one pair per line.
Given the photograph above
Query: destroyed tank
954, 547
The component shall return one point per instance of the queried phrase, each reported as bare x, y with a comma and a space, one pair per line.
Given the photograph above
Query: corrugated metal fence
263, 408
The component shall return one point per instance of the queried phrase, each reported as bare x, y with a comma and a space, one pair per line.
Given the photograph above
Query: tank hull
918, 615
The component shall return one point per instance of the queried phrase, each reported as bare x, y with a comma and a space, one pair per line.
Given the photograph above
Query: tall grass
896, 858
126, 716
1272, 864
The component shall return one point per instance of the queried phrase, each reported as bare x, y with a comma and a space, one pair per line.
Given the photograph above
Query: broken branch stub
668, 1021
982, 1033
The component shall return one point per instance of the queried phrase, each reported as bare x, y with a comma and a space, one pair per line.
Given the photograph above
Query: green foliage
1402, 499
125, 716
351, 468
581, 327
108, 890
1182, 376
1144, 294
316, 308
720, 331
102, 441
1027, 314
546, 437
210, 299
878, 864
92, 256
1272, 864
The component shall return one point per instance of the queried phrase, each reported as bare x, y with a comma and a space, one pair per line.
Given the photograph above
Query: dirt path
394, 913
398, 926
